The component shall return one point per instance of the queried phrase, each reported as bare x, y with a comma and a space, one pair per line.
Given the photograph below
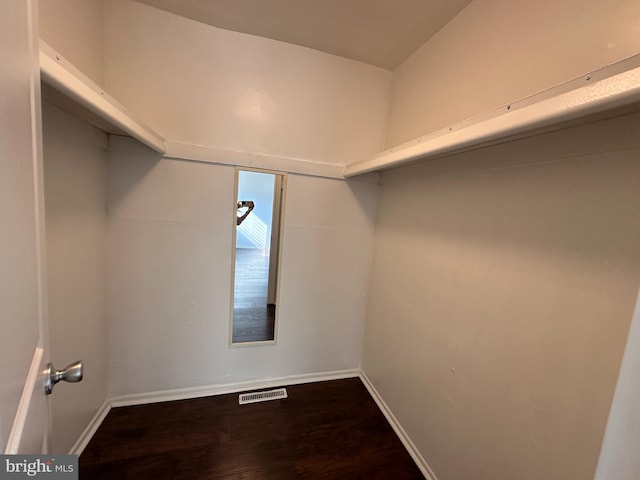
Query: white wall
495, 52
170, 233
201, 85
75, 167
503, 286
171, 221
75, 28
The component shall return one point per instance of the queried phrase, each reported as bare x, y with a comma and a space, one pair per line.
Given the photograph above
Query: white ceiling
379, 32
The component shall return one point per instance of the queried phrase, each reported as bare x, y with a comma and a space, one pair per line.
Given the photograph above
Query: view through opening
258, 211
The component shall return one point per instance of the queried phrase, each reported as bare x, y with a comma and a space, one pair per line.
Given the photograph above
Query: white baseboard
404, 438
222, 389
91, 429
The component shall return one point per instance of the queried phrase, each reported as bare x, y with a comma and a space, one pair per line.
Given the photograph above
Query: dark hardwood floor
325, 430
253, 319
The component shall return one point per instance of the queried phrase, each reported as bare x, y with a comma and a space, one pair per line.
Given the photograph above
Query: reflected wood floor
253, 319
324, 430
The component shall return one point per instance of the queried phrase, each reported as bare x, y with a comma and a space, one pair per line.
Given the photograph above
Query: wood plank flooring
253, 319
325, 430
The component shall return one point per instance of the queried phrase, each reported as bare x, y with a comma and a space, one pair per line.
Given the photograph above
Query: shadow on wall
366, 197
142, 161
526, 213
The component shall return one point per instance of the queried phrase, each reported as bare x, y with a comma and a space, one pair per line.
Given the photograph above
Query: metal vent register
254, 397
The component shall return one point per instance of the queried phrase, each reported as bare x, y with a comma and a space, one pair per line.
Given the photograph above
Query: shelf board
66, 86
604, 92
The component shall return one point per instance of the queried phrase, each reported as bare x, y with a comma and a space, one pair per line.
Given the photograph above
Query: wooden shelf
66, 86
602, 92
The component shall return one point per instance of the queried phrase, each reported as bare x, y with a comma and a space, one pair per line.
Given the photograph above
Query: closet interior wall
170, 254
503, 286
75, 176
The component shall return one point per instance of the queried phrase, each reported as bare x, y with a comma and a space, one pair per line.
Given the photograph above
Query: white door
24, 409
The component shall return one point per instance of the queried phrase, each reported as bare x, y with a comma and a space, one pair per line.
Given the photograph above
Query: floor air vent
254, 397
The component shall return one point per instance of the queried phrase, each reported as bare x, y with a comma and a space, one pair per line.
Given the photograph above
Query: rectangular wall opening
258, 206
